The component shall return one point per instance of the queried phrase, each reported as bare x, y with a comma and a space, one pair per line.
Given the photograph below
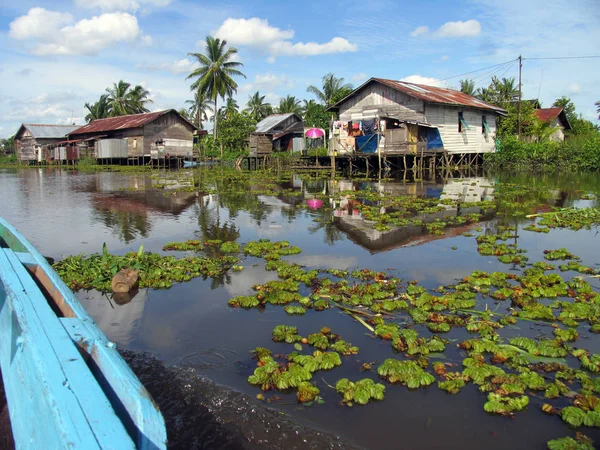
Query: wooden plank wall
168, 126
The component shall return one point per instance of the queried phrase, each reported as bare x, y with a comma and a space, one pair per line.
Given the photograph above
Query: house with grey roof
285, 131
31, 139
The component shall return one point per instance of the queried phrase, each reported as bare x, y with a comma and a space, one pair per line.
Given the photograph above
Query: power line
478, 70
567, 57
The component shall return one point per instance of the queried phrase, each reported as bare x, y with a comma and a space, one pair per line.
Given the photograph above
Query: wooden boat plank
94, 403
121, 385
22, 360
26, 258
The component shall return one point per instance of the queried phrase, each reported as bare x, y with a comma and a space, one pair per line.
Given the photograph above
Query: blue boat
65, 383
188, 164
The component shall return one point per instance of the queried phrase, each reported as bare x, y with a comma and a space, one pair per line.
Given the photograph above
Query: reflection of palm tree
325, 222
125, 224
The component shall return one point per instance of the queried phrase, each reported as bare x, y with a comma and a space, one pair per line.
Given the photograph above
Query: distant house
149, 135
31, 139
286, 131
557, 119
396, 117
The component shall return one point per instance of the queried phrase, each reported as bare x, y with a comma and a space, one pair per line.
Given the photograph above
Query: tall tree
123, 100
199, 108
257, 107
332, 91
97, 110
467, 86
568, 107
214, 77
231, 107
597, 104
315, 115
289, 104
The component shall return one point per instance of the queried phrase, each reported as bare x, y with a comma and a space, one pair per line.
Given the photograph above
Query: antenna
540, 88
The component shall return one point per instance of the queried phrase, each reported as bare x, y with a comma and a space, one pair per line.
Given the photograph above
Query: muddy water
191, 329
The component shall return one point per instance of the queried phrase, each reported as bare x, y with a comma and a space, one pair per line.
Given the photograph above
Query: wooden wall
385, 101
468, 141
173, 131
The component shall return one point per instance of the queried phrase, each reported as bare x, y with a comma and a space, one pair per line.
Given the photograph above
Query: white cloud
257, 33
38, 23
360, 78
574, 88
419, 79
267, 81
177, 67
444, 58
419, 31
120, 5
52, 36
469, 28
147, 40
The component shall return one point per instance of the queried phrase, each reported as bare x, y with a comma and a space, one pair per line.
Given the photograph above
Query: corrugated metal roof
438, 95
41, 131
269, 122
123, 122
548, 114
429, 94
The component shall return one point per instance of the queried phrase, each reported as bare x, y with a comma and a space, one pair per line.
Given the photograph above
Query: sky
57, 55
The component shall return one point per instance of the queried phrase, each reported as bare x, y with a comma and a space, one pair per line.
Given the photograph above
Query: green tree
333, 90
123, 100
234, 133
289, 104
315, 115
257, 107
467, 86
199, 108
214, 77
597, 104
98, 110
568, 107
507, 126
231, 107
185, 113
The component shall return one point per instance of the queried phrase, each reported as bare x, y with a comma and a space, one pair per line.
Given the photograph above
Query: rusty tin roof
430, 94
124, 122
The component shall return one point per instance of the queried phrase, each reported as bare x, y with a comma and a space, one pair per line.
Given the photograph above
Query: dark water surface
191, 326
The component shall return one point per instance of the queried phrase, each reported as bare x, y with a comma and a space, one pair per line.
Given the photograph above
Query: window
462, 123
484, 126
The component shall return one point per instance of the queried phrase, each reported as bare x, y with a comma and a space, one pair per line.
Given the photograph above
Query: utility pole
519, 105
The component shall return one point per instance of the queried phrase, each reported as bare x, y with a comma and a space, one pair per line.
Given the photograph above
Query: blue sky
57, 55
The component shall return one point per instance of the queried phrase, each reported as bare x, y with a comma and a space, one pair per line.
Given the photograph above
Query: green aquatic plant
184, 246
574, 219
561, 253
307, 392
408, 373
317, 361
294, 310
264, 248
286, 333
505, 405
359, 392
156, 271
581, 442
230, 247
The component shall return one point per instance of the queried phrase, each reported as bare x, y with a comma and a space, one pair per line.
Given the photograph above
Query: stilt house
279, 132
395, 118
32, 139
143, 136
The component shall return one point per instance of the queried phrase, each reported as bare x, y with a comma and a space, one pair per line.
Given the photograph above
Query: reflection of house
146, 135
396, 117
557, 119
468, 190
31, 138
284, 131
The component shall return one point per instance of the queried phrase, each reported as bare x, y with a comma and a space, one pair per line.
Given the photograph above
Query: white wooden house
412, 119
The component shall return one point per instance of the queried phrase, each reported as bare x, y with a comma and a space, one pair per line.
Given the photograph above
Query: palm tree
597, 104
256, 106
505, 90
230, 108
138, 97
485, 94
289, 104
467, 86
333, 90
199, 108
214, 76
123, 100
98, 110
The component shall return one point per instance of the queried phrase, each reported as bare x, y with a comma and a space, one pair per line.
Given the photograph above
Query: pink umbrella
314, 133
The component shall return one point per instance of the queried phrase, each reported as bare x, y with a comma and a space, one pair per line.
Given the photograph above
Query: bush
580, 152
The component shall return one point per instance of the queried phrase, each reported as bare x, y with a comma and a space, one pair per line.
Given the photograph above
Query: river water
195, 340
